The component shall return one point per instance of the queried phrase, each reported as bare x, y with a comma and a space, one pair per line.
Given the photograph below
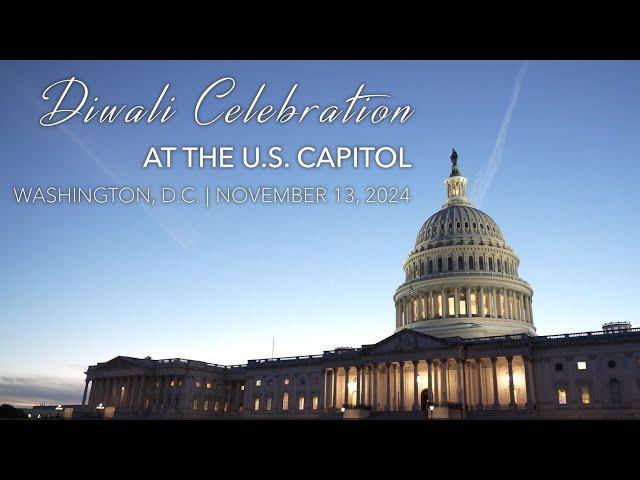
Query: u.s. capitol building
464, 346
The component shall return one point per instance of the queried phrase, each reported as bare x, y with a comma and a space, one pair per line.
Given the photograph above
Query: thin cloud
485, 178
27, 391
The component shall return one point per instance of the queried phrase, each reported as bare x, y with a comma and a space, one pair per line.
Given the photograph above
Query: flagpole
273, 346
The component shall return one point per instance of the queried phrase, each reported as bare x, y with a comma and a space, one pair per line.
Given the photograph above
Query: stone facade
464, 347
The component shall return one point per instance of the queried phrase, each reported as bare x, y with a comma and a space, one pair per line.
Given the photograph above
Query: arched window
490, 264
439, 264
421, 268
430, 267
449, 263
471, 265
506, 268
481, 263
498, 265
460, 263
614, 391
285, 401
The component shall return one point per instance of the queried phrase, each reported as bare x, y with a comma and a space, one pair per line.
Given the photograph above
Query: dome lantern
456, 185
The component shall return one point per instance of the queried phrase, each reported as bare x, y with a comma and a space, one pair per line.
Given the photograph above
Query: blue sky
82, 284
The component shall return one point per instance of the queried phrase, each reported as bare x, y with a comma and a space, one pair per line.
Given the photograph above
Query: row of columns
140, 392
368, 376
490, 302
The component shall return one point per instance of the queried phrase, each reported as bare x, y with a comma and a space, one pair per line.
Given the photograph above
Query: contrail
484, 179
184, 234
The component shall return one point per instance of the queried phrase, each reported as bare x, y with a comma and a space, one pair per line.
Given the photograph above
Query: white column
416, 405
388, 405
431, 384
84, 395
456, 302
346, 386
480, 301
468, 301
445, 304
334, 390
479, 381
494, 303
358, 384
431, 314
401, 402
374, 402
512, 397
496, 398
443, 380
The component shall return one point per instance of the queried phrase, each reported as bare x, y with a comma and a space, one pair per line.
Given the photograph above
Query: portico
410, 370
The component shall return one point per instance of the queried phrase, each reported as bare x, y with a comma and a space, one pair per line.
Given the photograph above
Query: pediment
405, 341
121, 362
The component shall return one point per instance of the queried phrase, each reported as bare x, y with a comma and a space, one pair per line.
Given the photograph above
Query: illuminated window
195, 404
473, 303
462, 303
285, 401
179, 383
241, 388
258, 383
584, 394
314, 402
173, 383
216, 406
450, 302
206, 405
562, 396
226, 406
219, 387
582, 365
286, 381
300, 403
197, 384
208, 385
269, 404
256, 404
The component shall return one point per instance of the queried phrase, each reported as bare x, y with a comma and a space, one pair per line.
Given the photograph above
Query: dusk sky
550, 150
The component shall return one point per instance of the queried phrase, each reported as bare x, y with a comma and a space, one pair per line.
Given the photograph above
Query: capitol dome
461, 278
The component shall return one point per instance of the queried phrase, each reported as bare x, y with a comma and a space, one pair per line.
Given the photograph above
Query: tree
9, 411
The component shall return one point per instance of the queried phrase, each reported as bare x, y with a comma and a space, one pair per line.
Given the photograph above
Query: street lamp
100, 410
58, 410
